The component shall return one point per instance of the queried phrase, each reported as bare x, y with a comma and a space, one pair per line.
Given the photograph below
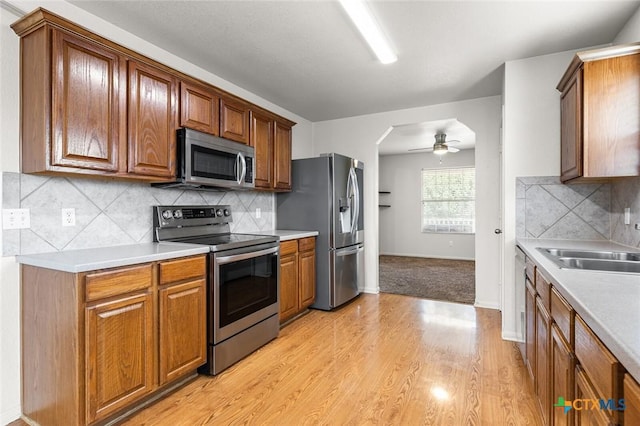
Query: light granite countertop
608, 302
110, 257
285, 234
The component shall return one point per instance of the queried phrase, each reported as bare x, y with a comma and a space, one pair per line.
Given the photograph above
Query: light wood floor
383, 359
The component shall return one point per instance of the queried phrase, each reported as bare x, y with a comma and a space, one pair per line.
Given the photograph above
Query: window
448, 200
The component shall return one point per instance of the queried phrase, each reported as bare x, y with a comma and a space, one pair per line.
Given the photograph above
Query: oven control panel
178, 216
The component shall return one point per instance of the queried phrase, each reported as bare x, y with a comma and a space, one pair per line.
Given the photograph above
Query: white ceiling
408, 137
307, 57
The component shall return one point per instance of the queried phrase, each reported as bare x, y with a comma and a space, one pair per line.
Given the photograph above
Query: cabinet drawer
288, 247
563, 315
530, 267
111, 282
182, 269
305, 244
543, 288
601, 366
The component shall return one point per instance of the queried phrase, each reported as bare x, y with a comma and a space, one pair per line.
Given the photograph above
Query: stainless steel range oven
243, 284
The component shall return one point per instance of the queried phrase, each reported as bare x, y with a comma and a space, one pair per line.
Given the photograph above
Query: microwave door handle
237, 168
244, 168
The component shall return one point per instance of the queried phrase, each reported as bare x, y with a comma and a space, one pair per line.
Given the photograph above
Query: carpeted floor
438, 279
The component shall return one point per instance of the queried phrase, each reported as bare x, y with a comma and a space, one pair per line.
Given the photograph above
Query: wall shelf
384, 193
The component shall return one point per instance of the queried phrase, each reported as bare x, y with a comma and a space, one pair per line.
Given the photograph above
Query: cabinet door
611, 114
543, 330
282, 157
562, 370
119, 354
288, 286
182, 329
307, 276
234, 120
632, 401
262, 140
530, 310
571, 128
152, 121
87, 113
586, 415
199, 108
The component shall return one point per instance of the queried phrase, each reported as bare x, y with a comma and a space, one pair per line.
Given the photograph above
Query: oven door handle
237, 257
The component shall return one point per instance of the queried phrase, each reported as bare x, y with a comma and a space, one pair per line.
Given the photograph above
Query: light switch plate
627, 216
16, 219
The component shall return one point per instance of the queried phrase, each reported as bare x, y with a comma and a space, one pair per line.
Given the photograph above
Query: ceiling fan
441, 146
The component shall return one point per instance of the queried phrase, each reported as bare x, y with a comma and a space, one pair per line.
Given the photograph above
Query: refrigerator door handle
353, 195
349, 252
357, 191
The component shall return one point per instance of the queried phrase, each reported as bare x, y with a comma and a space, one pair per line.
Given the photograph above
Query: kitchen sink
600, 264
594, 260
593, 254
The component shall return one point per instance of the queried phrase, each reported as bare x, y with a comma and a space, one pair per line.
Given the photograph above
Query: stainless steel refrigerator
326, 196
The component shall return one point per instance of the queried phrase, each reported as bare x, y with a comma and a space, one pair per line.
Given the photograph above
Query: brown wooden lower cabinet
562, 377
567, 360
584, 415
530, 343
297, 276
543, 329
119, 348
632, 401
95, 343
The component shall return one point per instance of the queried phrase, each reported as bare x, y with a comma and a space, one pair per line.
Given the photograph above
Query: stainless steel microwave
207, 161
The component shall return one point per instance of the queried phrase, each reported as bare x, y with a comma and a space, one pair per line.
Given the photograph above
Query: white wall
630, 33
400, 225
9, 158
531, 145
358, 137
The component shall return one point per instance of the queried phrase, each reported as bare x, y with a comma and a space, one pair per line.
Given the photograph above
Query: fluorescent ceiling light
368, 27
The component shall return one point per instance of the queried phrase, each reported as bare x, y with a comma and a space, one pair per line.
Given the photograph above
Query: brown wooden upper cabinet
77, 115
262, 136
234, 120
282, 157
152, 121
600, 114
93, 107
271, 138
199, 108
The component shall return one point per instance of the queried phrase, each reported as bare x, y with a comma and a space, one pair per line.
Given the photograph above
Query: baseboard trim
427, 256
10, 414
511, 336
487, 305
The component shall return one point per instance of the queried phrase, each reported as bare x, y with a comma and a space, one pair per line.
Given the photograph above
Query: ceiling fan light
440, 149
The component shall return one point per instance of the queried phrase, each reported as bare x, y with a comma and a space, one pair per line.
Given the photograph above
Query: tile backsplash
625, 193
546, 208
109, 212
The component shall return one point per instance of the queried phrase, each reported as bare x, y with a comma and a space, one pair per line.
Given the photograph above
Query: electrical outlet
16, 219
69, 217
258, 213
450, 243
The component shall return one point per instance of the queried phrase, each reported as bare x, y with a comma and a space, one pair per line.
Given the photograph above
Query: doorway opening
426, 213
